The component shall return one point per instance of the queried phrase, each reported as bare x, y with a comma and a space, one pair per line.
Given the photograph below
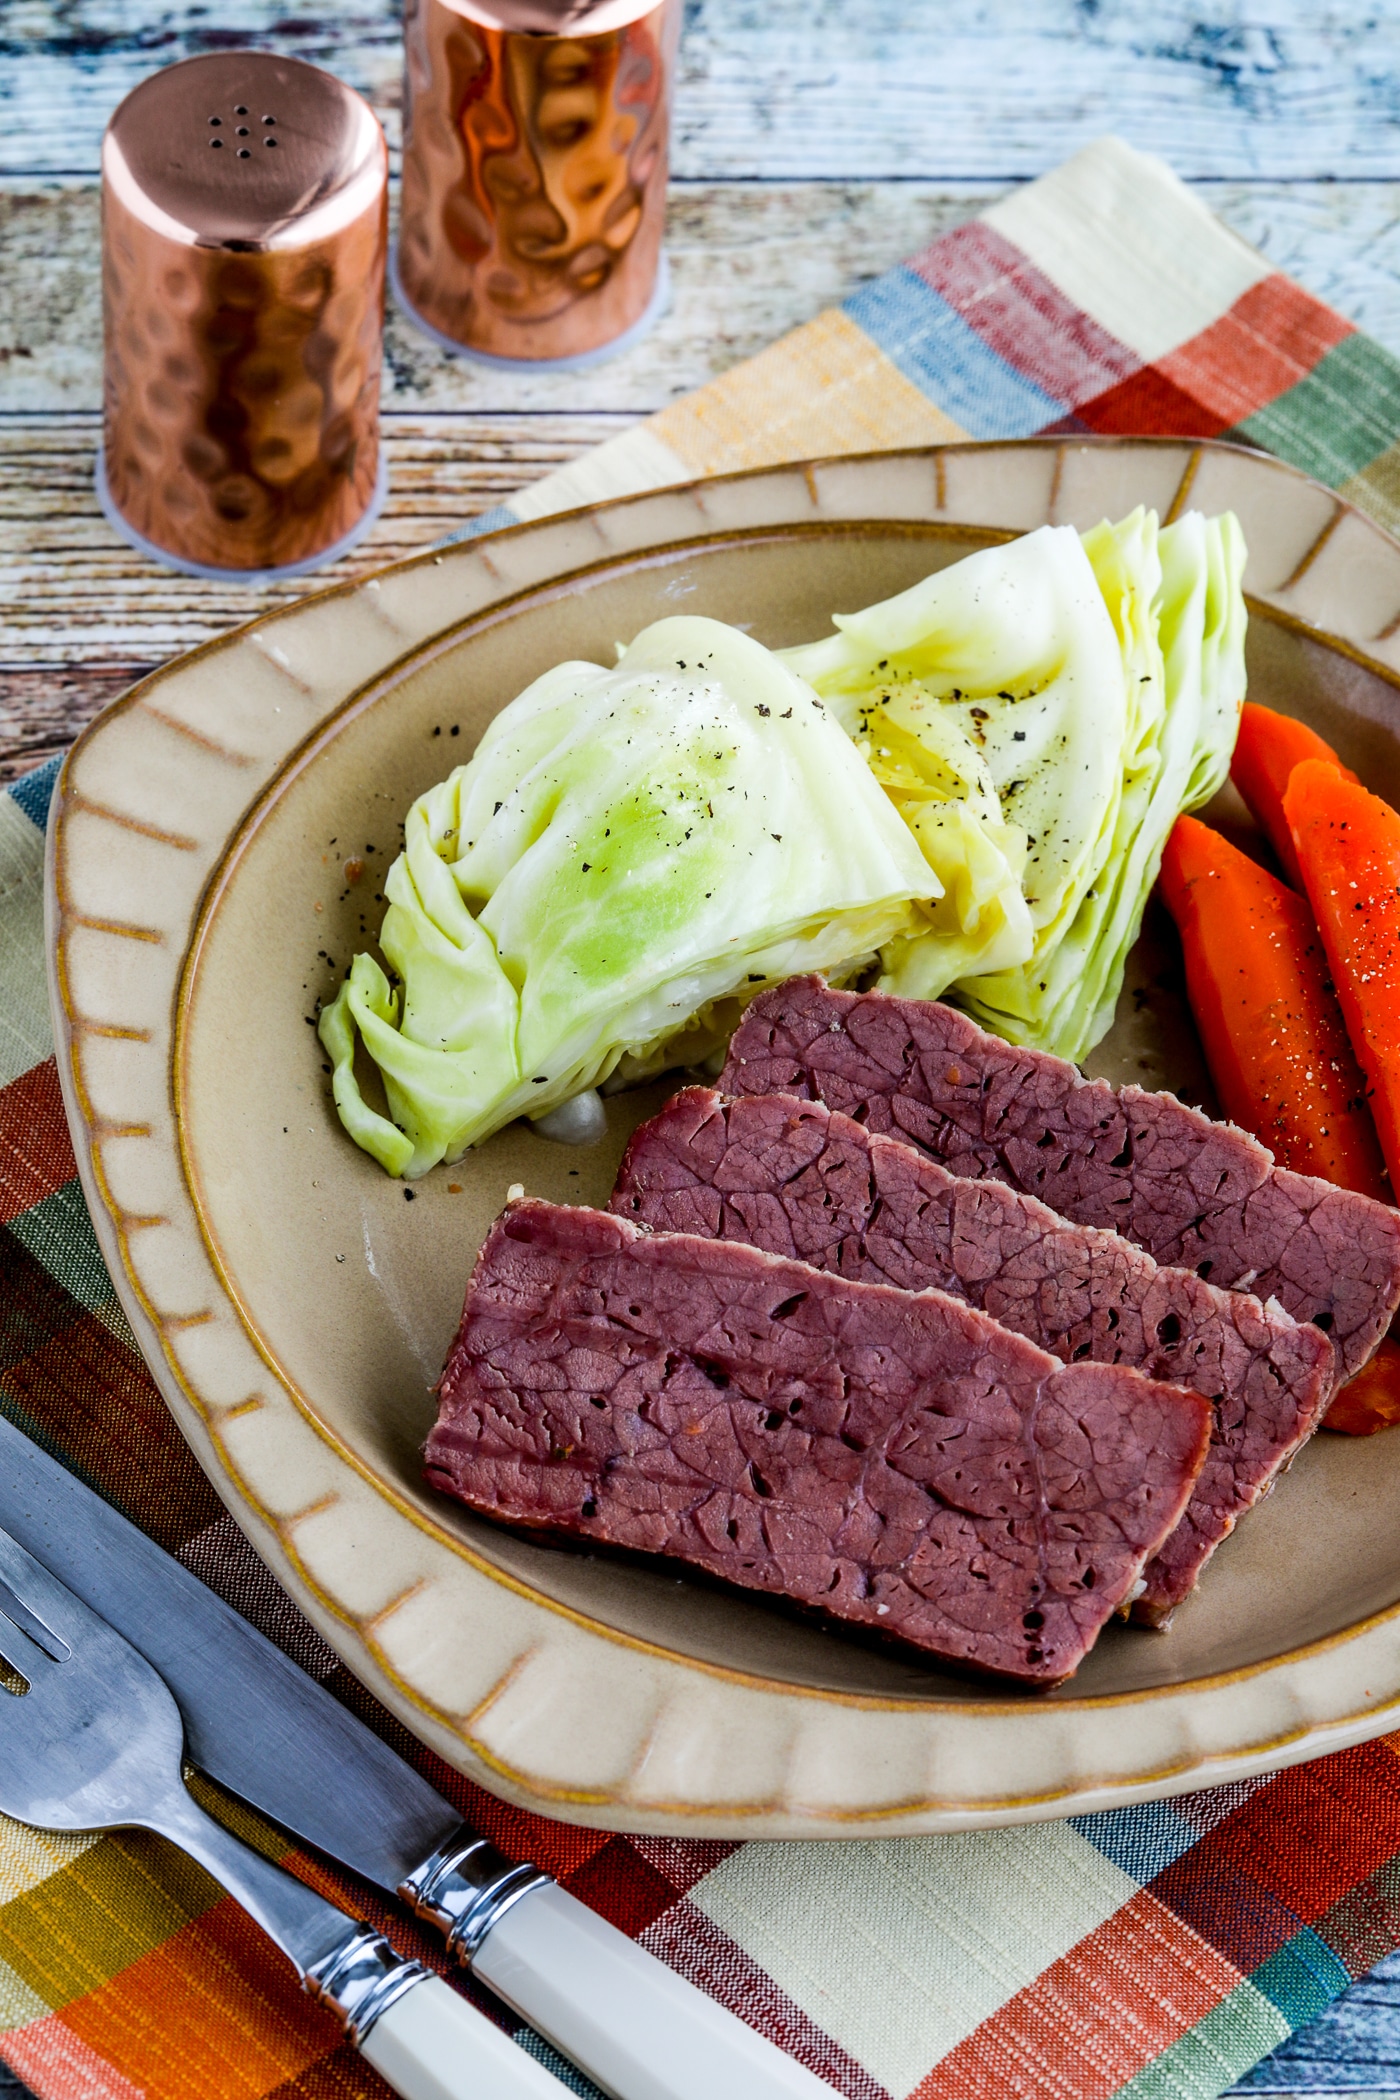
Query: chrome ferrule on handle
465, 1887
360, 1979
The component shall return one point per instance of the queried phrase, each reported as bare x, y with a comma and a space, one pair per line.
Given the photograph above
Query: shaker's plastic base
207, 570
655, 307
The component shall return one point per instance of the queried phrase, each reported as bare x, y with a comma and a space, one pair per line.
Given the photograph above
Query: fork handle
429, 2043
432, 2045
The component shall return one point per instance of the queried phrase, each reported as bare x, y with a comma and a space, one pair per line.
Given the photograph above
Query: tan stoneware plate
295, 1307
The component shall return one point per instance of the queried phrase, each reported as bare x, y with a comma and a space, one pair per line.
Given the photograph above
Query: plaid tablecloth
1158, 1951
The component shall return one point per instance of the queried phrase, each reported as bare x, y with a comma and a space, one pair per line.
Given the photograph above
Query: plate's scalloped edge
1311, 1712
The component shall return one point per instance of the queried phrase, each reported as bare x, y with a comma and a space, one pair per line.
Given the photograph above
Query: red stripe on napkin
36, 1153
1023, 316
1096, 2017
1266, 343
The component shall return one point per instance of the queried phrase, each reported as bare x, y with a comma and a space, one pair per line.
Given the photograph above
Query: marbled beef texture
893, 1459
795, 1178
1196, 1194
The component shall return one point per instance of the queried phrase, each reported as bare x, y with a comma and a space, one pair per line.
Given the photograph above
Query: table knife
261, 1727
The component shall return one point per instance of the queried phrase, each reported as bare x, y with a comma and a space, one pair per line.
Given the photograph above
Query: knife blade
256, 1723
248, 1709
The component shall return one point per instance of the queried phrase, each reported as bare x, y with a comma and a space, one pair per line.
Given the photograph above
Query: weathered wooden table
815, 143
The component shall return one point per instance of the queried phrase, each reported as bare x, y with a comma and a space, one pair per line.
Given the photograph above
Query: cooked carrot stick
1268, 1018
1371, 1399
1267, 749
1348, 846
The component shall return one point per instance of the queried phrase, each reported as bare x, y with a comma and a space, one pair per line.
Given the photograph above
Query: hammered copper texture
244, 320
534, 179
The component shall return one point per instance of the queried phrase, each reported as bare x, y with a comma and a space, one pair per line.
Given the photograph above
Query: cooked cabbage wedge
1008, 658
1099, 678
629, 855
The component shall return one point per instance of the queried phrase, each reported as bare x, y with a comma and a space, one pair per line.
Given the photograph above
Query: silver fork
91, 1739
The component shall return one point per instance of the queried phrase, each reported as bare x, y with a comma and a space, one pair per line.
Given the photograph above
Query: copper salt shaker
244, 233
534, 174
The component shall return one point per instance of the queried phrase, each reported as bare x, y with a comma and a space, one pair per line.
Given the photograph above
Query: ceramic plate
295, 1306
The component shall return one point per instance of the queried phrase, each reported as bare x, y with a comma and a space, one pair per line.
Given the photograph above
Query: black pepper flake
408, 1195
763, 710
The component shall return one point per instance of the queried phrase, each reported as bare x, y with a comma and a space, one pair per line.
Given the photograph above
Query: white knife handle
432, 2045
638, 2030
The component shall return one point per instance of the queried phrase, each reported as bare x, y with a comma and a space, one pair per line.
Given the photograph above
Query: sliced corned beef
799, 1180
1196, 1194
893, 1459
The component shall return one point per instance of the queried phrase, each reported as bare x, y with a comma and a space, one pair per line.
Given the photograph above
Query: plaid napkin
1156, 1951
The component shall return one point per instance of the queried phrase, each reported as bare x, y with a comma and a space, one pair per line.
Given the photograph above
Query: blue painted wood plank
890, 89
1353, 2047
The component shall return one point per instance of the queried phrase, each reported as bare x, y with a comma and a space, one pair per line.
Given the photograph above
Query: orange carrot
1267, 749
1348, 846
1370, 1400
1268, 1018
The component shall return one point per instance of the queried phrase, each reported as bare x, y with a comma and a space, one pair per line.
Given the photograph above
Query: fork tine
97, 1740
42, 1598
20, 1652
19, 1614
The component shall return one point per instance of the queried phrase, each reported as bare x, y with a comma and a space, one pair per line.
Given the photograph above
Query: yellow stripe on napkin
28, 1857
825, 388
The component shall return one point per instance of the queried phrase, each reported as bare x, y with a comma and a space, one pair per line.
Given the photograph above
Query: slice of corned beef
799, 1180
894, 1459
1196, 1194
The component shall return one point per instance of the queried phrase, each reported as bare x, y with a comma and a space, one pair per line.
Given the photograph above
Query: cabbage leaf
629, 855
1040, 713
1177, 603
1004, 674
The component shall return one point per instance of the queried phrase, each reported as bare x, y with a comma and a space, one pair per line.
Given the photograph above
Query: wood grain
88, 599
950, 103
75, 602
747, 263
782, 89
80, 615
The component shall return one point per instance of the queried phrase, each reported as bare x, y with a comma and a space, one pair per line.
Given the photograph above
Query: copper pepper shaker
534, 174
244, 234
